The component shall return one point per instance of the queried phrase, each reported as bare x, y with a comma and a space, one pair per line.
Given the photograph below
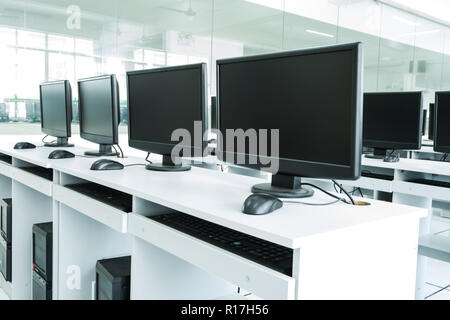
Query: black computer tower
5, 259
113, 278
42, 261
6, 220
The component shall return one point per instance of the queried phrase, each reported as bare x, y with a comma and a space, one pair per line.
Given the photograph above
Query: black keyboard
40, 171
260, 251
435, 183
117, 199
377, 176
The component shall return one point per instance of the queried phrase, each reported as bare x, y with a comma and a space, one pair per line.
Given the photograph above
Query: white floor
437, 277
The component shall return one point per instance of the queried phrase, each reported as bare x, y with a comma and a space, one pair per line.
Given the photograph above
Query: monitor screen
312, 96
442, 120
431, 123
424, 121
56, 108
163, 100
393, 120
99, 108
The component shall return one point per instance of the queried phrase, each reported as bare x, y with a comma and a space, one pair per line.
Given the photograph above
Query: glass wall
44, 40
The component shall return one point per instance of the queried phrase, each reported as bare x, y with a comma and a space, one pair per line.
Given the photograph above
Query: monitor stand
105, 150
168, 165
60, 143
284, 186
381, 154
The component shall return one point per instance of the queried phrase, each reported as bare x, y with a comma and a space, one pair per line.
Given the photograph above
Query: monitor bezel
115, 104
398, 145
436, 146
304, 168
68, 107
431, 120
166, 148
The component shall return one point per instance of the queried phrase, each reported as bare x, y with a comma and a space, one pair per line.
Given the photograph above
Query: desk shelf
421, 190
435, 246
260, 280
99, 211
33, 181
370, 183
5, 169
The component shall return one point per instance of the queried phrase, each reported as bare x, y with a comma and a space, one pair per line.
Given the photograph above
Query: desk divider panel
83, 241
30, 207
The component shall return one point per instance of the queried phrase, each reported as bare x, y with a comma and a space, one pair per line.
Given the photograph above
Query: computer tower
42, 289
6, 220
42, 260
113, 278
5, 259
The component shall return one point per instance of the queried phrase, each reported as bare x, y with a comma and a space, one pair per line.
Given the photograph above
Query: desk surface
218, 197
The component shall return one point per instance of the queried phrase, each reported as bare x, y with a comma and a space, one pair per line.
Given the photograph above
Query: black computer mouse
61, 154
259, 204
24, 145
105, 164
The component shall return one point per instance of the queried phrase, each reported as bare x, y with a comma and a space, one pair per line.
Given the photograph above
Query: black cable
117, 153
121, 151
324, 191
444, 158
44, 138
135, 164
146, 158
345, 191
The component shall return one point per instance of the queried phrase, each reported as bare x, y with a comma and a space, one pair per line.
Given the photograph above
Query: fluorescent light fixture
405, 21
420, 33
320, 33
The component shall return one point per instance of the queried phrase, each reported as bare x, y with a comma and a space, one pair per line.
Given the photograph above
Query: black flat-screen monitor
314, 98
99, 112
214, 113
431, 123
56, 111
441, 122
424, 121
392, 120
161, 101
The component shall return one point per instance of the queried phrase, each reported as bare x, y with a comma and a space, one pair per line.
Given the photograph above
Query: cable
118, 154
324, 191
44, 138
135, 164
345, 191
313, 204
146, 158
444, 158
121, 151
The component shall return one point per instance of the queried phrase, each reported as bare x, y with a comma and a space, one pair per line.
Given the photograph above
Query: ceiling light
320, 33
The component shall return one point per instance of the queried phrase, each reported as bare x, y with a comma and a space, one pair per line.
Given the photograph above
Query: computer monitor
431, 123
314, 98
99, 112
392, 121
214, 113
161, 101
441, 122
424, 121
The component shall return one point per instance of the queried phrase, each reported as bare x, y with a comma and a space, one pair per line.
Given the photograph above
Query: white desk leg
425, 224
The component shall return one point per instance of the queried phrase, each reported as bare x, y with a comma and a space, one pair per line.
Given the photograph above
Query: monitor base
59, 143
105, 150
168, 166
382, 154
284, 186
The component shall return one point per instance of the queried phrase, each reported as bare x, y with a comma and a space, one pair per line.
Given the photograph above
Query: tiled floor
437, 277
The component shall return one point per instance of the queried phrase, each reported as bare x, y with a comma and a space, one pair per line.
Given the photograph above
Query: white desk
353, 252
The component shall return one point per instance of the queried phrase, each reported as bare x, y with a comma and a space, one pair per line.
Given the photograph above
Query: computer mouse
105, 164
24, 145
61, 154
260, 204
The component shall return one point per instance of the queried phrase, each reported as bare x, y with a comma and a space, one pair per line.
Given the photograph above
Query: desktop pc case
5, 259
6, 219
113, 278
42, 261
